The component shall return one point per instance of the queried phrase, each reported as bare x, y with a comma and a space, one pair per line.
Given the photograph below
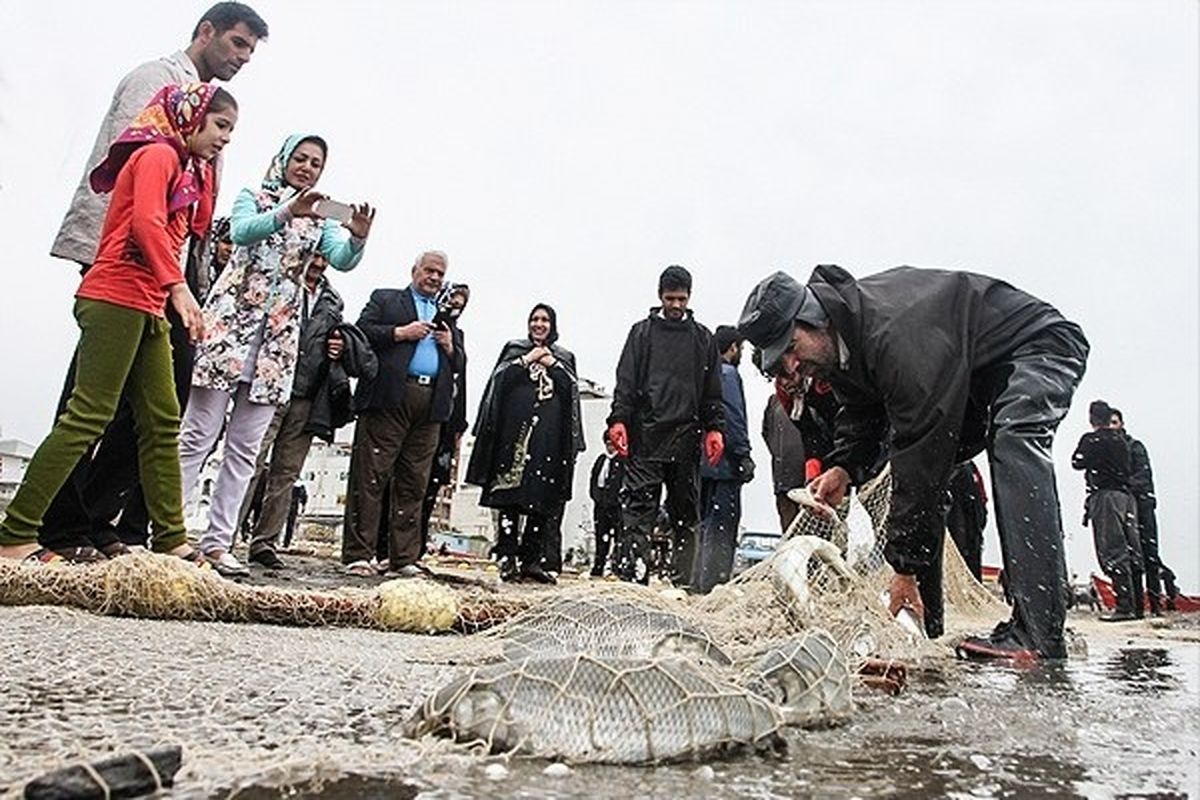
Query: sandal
193, 557
80, 555
362, 569
43, 556
115, 549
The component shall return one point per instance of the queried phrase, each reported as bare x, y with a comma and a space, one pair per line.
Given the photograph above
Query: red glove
714, 447
619, 438
812, 468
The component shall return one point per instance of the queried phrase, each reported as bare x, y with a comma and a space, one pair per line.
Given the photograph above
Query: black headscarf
551, 337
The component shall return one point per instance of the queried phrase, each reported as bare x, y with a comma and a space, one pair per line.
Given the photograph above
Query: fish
608, 627
595, 709
790, 563
806, 677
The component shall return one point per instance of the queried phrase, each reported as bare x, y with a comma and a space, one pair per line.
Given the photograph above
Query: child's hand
189, 311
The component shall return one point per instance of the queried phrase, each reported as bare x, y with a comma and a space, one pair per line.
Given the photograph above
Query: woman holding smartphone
253, 319
157, 175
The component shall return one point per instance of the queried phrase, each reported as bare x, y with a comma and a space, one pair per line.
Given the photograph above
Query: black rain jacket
919, 342
666, 410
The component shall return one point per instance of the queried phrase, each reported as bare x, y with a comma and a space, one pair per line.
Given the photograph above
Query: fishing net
587, 708
330, 683
162, 587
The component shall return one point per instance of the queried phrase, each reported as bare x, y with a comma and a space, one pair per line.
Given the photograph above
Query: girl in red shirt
158, 173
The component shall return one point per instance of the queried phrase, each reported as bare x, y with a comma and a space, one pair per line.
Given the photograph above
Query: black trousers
721, 507
529, 536
966, 519
642, 490
1113, 514
105, 482
1026, 396
607, 519
1148, 533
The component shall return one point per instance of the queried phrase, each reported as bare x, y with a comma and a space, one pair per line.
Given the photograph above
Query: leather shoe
267, 558
534, 572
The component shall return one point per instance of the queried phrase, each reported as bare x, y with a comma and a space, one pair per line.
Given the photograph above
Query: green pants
119, 349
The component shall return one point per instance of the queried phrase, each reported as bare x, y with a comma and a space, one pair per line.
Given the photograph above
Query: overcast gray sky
567, 151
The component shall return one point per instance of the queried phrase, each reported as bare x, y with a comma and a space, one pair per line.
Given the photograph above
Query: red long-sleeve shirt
138, 259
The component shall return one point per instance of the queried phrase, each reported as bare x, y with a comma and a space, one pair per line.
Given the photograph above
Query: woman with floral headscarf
157, 173
253, 319
527, 435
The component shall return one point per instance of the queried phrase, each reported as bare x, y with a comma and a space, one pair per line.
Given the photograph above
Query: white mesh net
594, 671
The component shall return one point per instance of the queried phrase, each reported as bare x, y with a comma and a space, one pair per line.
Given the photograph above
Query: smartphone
445, 315
332, 209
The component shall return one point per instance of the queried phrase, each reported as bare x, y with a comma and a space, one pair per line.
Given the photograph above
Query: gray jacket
78, 238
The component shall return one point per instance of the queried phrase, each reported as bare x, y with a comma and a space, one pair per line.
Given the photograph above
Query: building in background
577, 524
14, 458
324, 475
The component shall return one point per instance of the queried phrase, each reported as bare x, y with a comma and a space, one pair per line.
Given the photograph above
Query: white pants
202, 424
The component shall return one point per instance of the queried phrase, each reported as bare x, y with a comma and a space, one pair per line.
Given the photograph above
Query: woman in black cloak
527, 435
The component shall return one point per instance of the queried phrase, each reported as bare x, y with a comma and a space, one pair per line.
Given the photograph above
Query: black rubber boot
1155, 604
1122, 582
1139, 595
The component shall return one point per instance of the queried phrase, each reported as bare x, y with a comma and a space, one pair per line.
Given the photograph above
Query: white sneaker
227, 565
409, 571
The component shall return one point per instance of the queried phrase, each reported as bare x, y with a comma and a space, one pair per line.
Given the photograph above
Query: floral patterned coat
257, 297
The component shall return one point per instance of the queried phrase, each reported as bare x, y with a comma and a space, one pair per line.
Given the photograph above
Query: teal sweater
248, 226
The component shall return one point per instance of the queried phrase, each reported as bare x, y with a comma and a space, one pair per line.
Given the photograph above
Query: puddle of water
1124, 722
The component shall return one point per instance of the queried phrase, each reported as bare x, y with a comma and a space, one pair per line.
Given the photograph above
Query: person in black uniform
1104, 454
1141, 483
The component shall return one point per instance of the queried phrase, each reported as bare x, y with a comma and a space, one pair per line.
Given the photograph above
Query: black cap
770, 311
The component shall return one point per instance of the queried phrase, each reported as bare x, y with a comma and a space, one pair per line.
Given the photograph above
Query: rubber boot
1139, 595
1122, 582
1155, 604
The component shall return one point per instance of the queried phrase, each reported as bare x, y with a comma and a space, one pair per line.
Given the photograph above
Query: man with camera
400, 414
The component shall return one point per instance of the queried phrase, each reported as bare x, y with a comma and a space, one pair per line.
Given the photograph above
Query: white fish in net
613, 680
804, 562
586, 708
806, 677
607, 627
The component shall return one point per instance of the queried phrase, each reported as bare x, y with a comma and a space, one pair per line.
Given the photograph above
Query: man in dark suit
605, 489
400, 413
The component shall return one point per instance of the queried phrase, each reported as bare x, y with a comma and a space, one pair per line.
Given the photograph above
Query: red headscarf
175, 113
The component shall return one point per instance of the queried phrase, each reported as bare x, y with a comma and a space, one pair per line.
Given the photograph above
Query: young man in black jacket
667, 399
1104, 454
954, 363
